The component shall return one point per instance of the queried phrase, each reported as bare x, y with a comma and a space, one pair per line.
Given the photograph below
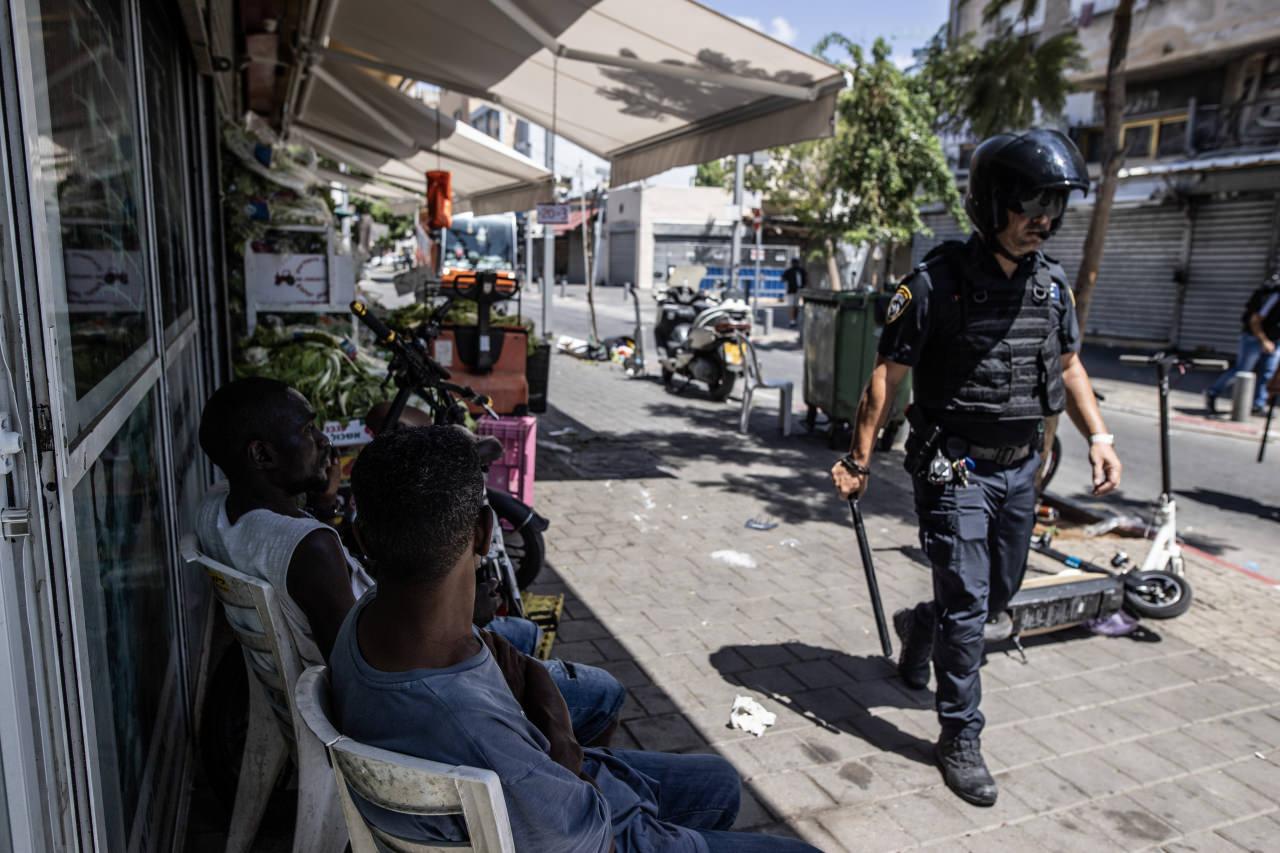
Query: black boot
914, 626
964, 770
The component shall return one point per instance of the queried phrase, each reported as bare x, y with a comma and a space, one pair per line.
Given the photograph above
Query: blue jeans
593, 695
1248, 355
703, 793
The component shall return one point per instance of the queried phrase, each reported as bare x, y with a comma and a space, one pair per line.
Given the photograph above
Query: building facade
1198, 205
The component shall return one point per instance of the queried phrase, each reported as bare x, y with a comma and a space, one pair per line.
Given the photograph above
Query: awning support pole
686, 72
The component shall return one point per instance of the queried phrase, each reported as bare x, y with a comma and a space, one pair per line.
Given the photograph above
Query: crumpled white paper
750, 716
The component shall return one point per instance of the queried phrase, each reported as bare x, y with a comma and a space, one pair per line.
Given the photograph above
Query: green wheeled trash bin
841, 333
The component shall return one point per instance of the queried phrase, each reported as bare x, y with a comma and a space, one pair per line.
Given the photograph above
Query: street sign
553, 214
757, 254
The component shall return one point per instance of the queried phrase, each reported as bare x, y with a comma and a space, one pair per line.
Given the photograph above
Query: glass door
103, 89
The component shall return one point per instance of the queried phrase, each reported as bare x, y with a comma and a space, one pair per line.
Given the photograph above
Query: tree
714, 174
868, 181
1006, 83
1112, 158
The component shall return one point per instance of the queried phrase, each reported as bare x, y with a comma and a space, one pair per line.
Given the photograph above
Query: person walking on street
795, 278
989, 328
1259, 339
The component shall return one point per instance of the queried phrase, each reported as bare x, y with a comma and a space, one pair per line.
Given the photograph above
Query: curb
1175, 423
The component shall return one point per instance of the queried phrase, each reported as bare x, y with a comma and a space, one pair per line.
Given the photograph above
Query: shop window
122, 555
90, 179
190, 479
169, 180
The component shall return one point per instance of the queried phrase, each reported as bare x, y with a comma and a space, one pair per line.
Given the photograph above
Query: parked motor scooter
702, 335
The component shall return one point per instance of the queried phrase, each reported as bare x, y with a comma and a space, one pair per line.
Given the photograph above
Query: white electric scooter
1165, 553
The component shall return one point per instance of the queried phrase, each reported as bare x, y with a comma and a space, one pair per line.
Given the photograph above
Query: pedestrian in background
794, 277
1259, 335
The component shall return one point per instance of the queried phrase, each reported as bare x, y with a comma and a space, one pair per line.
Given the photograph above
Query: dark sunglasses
1050, 203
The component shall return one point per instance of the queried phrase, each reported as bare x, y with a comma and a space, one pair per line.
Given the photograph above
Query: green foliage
868, 181
1000, 85
401, 226
717, 173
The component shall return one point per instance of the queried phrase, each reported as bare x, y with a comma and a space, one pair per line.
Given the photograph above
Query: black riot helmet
1031, 172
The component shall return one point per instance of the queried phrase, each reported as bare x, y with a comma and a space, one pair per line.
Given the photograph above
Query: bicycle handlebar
423, 371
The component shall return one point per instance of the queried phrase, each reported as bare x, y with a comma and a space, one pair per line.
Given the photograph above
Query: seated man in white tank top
264, 437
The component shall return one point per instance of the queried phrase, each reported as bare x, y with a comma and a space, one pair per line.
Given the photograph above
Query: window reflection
121, 549
190, 473
168, 167
90, 173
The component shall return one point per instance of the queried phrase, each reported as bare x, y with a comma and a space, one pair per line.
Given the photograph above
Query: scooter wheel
719, 392
1156, 594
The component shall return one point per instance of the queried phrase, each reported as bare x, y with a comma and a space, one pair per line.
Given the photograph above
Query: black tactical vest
994, 352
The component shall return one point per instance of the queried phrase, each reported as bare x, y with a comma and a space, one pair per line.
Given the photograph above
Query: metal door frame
65, 460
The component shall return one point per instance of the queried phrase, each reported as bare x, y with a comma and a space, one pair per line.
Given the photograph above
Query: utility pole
586, 258
757, 222
529, 221
735, 251
549, 244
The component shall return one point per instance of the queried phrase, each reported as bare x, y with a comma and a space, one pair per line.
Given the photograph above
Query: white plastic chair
404, 784
275, 729
753, 380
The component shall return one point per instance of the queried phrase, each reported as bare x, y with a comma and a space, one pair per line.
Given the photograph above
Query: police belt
1000, 455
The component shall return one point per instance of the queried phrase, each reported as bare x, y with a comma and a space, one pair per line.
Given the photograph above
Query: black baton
873, 588
1266, 428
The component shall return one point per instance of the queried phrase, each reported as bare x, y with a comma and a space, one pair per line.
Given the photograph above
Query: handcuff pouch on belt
924, 446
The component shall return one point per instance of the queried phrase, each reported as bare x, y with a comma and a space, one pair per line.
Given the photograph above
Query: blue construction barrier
771, 284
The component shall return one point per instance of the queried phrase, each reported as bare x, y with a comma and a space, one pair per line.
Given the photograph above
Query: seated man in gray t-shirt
411, 673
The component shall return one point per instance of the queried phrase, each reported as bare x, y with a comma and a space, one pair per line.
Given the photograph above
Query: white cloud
779, 27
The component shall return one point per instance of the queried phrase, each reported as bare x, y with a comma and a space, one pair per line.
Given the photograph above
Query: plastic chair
274, 725
404, 784
754, 380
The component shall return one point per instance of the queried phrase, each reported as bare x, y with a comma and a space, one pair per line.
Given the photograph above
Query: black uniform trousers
977, 538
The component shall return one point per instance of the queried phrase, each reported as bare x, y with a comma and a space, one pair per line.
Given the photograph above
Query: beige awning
354, 116
649, 85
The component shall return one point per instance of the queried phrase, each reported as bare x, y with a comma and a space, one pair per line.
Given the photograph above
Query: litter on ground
760, 524
750, 716
735, 558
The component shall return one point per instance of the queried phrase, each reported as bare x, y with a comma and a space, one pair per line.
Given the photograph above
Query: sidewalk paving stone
1097, 743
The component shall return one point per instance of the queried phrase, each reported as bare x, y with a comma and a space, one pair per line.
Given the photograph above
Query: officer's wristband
1102, 438
853, 466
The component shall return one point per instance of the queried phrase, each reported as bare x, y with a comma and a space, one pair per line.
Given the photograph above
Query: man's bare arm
873, 410
1082, 408
320, 582
1255, 327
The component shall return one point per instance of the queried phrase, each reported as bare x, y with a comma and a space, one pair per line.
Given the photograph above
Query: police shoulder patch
898, 304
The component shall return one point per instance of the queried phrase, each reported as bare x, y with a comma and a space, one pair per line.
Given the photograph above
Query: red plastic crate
513, 473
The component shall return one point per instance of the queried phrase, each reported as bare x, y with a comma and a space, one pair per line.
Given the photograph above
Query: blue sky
906, 24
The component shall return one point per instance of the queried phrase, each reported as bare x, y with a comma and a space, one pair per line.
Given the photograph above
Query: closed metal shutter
944, 228
1229, 259
1135, 297
622, 258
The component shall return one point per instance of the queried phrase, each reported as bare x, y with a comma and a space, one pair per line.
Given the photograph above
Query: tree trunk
833, 268
1112, 158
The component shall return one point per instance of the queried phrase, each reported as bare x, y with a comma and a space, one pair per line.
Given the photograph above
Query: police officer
989, 327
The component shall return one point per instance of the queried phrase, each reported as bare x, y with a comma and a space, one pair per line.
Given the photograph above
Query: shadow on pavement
1230, 503
870, 682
